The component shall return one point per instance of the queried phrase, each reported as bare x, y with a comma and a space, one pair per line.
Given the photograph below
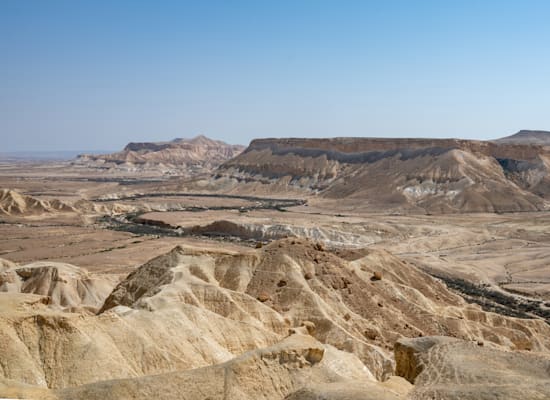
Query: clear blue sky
78, 75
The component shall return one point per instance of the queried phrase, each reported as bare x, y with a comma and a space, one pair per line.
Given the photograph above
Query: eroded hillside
434, 175
179, 156
192, 308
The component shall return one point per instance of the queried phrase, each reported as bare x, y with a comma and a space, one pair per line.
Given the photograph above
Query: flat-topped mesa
433, 175
354, 145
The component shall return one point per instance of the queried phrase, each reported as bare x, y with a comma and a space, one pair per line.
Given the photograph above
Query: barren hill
63, 286
197, 154
14, 203
527, 137
446, 368
435, 175
193, 308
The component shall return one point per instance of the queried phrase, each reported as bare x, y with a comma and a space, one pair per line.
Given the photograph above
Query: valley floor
157, 285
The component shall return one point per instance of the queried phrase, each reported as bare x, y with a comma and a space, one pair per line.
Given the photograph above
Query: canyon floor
125, 286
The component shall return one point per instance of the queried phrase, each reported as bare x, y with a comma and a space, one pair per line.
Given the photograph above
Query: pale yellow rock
456, 369
191, 309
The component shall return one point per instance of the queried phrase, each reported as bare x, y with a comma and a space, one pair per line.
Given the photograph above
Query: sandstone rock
193, 308
267, 373
310, 326
376, 276
455, 369
393, 389
65, 286
144, 281
263, 297
407, 354
9, 280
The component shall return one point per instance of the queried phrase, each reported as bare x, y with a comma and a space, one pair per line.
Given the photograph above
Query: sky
83, 75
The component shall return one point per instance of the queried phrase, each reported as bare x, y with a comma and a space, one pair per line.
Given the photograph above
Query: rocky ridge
447, 368
433, 175
199, 154
63, 286
14, 203
192, 309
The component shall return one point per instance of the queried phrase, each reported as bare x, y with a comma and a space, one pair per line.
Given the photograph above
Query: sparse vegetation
113, 248
496, 301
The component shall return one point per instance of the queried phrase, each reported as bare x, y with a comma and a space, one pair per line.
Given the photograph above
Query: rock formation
194, 308
433, 175
294, 367
527, 137
447, 368
16, 204
63, 286
199, 154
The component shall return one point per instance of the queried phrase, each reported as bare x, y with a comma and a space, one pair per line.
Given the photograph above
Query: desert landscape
343, 268
274, 200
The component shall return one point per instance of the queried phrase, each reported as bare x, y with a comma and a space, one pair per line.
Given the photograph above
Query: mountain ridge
199, 153
429, 175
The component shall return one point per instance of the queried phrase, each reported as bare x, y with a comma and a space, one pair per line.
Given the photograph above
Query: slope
191, 308
420, 175
17, 204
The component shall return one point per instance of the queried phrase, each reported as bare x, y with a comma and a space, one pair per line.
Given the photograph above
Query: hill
63, 286
17, 204
404, 175
527, 137
198, 154
287, 319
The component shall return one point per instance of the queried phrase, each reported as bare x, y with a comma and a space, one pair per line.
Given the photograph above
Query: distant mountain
196, 154
415, 175
527, 137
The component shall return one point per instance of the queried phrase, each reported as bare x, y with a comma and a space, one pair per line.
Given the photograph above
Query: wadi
291, 268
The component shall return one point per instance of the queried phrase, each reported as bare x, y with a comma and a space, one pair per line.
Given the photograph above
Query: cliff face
439, 175
368, 145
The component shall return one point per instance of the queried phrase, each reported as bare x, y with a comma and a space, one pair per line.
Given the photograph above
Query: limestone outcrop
456, 369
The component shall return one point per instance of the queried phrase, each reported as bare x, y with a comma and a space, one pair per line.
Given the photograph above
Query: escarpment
410, 175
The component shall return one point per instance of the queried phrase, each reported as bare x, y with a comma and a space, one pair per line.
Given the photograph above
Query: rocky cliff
434, 175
